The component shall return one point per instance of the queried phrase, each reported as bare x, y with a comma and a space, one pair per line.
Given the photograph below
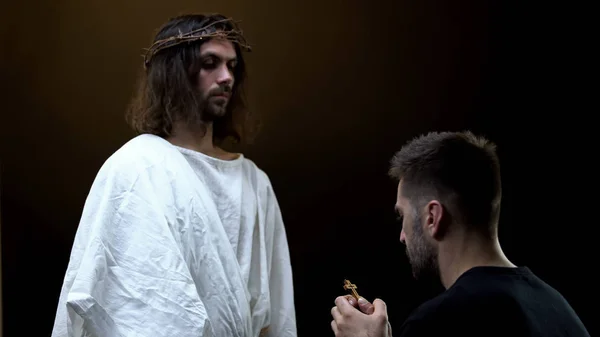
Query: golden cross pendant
352, 287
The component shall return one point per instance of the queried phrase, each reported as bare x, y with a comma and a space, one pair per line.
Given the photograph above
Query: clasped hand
352, 318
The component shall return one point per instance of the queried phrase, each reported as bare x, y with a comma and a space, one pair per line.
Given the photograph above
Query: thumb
380, 307
365, 306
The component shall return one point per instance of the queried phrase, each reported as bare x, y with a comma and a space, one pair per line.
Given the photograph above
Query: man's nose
225, 75
402, 236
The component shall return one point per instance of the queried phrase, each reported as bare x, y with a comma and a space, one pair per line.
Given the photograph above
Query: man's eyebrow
217, 56
397, 210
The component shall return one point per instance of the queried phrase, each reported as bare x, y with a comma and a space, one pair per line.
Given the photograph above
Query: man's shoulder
449, 300
456, 301
474, 290
483, 295
138, 155
147, 148
449, 312
256, 174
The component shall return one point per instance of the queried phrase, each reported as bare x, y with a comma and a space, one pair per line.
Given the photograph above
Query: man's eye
208, 63
399, 218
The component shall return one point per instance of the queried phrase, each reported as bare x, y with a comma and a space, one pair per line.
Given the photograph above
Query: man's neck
198, 138
464, 251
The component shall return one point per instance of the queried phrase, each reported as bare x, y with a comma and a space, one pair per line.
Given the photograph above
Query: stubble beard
422, 255
214, 108
216, 111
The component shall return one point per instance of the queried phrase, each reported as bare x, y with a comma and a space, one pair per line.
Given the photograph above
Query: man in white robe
179, 237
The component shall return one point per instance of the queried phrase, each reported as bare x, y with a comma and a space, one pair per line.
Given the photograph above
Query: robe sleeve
126, 275
281, 288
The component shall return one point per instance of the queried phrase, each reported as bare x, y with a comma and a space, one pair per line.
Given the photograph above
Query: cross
352, 287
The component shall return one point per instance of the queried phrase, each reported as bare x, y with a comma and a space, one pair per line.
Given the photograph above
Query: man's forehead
399, 198
219, 47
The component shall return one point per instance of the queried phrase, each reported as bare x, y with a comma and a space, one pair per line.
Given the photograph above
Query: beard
215, 106
422, 255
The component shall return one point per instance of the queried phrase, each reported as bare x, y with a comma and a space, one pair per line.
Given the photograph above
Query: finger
335, 313
380, 307
352, 300
343, 305
365, 306
335, 328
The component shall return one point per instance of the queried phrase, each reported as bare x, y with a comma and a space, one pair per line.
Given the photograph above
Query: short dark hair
167, 88
459, 169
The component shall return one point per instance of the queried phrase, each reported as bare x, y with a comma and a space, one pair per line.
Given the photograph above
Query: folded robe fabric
172, 242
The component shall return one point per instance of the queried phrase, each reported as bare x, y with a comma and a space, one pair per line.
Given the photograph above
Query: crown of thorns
235, 35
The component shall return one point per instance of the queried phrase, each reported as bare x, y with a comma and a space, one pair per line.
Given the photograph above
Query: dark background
340, 87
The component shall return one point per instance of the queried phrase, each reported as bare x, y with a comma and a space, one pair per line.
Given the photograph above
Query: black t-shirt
495, 301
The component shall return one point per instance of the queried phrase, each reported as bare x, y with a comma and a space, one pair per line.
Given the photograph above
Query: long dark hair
167, 90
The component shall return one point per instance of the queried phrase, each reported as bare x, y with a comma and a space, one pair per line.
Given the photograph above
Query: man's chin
216, 110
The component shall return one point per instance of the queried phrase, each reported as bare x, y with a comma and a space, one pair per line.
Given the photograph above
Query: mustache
222, 90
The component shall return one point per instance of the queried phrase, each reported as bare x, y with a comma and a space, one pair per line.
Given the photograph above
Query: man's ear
435, 219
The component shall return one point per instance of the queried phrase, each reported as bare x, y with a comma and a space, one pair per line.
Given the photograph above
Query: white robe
176, 243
